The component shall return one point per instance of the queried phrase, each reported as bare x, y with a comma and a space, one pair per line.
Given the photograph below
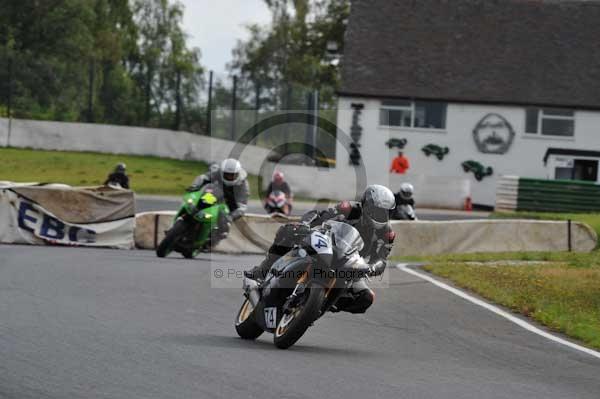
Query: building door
584, 169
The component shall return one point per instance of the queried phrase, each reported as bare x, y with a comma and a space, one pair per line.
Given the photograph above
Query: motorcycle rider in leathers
370, 217
231, 178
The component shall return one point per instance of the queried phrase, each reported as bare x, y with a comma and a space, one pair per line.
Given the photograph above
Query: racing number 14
271, 317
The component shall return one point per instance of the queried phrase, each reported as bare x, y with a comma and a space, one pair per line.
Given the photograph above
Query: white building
510, 86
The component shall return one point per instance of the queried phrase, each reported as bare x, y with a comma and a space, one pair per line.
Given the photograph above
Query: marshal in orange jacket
400, 165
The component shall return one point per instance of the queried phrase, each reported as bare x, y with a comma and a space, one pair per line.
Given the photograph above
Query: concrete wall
257, 232
125, 140
524, 157
341, 182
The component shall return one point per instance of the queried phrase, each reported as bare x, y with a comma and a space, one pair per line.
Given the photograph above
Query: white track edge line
521, 323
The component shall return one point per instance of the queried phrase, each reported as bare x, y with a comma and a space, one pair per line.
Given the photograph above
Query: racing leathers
235, 196
378, 244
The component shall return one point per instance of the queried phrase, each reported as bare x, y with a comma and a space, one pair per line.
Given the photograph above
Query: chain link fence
219, 105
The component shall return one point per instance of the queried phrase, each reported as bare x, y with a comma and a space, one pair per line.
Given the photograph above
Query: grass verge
148, 175
558, 290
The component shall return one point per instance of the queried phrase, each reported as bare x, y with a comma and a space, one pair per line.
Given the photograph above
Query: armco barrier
413, 238
524, 194
558, 196
507, 193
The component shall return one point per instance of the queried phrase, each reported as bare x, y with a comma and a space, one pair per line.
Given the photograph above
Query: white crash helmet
377, 201
232, 173
406, 191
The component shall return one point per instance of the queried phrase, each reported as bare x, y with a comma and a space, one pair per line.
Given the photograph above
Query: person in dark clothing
118, 177
370, 217
278, 183
405, 195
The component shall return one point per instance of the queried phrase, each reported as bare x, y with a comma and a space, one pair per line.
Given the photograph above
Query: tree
168, 70
293, 49
111, 61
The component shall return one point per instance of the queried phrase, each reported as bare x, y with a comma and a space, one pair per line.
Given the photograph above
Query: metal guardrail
537, 195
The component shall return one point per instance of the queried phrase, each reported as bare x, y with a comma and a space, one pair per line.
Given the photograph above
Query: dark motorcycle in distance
277, 202
302, 285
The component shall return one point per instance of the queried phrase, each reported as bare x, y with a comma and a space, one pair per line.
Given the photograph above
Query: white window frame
541, 115
412, 109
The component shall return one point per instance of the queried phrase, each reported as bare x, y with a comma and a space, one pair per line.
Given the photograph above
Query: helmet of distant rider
377, 201
120, 168
232, 172
277, 177
406, 191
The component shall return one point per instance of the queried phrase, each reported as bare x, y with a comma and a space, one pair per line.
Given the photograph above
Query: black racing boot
357, 303
259, 273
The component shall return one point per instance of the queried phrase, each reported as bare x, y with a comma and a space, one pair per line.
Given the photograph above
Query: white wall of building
524, 157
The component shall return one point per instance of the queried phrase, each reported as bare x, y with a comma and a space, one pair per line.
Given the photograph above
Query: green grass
560, 290
148, 175
593, 219
563, 295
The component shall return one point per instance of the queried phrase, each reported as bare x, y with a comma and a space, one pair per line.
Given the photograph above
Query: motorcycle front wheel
245, 325
295, 323
166, 245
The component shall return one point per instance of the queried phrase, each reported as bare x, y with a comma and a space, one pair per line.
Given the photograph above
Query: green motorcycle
195, 223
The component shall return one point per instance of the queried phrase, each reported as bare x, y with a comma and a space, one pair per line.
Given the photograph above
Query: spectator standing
400, 164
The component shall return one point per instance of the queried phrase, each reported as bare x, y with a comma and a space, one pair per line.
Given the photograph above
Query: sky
214, 26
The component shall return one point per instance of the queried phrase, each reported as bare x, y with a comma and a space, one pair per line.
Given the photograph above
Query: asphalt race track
85, 323
152, 203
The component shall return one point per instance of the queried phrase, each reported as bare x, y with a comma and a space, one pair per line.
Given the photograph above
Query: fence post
309, 125
209, 105
9, 99
256, 109
90, 110
288, 106
315, 125
233, 107
177, 122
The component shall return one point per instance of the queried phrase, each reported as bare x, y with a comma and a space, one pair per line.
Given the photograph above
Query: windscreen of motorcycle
347, 239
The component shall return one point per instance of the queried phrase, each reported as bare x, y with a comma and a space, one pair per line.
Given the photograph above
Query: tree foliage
293, 50
110, 61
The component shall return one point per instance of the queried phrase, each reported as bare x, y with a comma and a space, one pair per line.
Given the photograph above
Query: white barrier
507, 193
94, 217
252, 235
470, 236
256, 234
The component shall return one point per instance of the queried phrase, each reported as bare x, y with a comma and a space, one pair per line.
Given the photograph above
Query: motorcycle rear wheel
292, 326
166, 245
245, 325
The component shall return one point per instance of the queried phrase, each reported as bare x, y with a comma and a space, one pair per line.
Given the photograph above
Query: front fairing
195, 205
190, 202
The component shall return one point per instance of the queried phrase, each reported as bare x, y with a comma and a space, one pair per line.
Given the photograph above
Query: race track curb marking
521, 323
